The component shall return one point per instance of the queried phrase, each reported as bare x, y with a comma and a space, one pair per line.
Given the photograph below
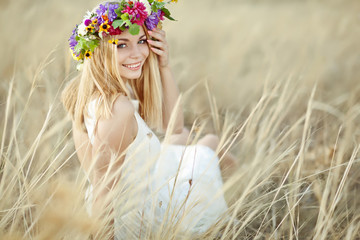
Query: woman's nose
135, 52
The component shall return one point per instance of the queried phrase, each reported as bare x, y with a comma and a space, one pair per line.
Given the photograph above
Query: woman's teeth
132, 66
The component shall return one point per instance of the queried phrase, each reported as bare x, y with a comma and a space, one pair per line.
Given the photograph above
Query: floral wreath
113, 18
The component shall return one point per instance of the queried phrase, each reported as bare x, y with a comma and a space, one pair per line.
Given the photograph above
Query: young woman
126, 89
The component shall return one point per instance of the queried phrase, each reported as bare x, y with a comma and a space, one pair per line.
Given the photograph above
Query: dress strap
136, 104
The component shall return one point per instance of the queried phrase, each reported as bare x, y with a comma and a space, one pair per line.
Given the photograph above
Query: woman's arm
170, 89
83, 147
112, 138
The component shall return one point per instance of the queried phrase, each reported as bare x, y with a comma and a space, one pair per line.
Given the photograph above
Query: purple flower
100, 11
87, 22
72, 41
112, 14
103, 10
153, 20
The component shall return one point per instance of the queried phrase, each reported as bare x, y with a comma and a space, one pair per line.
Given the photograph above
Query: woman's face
132, 52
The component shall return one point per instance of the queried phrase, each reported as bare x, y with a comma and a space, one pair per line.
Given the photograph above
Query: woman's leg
227, 161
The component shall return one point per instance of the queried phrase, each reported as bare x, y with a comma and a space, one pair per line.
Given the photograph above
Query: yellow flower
113, 41
174, 1
88, 54
95, 21
160, 0
104, 27
77, 58
89, 28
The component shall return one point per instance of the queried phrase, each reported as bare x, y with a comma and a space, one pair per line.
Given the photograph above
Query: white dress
164, 185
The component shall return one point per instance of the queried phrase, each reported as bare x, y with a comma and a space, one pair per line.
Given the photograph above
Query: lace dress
164, 185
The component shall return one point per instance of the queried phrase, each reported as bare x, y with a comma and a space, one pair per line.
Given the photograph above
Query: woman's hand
159, 46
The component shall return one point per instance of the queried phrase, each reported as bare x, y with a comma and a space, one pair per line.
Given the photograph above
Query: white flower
87, 15
82, 29
92, 37
80, 66
147, 6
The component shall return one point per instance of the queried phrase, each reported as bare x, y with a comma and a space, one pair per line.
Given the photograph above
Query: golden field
277, 80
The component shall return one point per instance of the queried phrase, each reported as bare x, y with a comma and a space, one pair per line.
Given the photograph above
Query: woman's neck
132, 95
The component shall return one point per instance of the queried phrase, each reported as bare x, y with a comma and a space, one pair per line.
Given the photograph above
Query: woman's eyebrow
123, 39
127, 40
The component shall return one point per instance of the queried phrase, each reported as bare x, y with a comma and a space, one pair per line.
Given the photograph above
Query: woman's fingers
160, 31
158, 51
158, 34
157, 44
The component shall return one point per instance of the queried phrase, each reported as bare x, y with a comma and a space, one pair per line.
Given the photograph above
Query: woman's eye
123, 45
143, 41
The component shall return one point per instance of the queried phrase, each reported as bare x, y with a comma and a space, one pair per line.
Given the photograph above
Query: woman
126, 88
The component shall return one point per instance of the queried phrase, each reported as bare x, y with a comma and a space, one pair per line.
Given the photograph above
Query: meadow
277, 80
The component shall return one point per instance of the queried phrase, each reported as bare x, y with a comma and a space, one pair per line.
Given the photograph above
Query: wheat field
276, 80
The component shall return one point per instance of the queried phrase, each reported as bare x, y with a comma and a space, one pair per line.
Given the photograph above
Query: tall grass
281, 90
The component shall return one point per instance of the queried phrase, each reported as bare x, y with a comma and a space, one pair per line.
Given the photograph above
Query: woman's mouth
134, 67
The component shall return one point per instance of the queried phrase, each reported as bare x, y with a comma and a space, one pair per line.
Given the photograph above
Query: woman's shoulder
123, 105
121, 125
121, 112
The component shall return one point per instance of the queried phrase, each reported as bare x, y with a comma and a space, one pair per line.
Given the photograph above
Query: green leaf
127, 23
118, 12
92, 44
167, 14
125, 16
134, 29
81, 42
154, 8
118, 23
77, 48
170, 18
159, 4
123, 4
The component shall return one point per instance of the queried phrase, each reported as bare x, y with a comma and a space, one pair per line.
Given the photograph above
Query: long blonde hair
100, 79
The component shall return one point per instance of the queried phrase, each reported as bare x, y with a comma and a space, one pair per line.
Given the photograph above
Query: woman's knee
185, 132
180, 138
210, 140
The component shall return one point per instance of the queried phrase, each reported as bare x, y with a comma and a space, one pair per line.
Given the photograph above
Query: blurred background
260, 60
235, 45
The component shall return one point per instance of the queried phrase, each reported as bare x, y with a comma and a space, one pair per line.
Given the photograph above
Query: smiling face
132, 51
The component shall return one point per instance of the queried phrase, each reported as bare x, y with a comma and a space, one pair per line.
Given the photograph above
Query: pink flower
162, 14
137, 13
87, 22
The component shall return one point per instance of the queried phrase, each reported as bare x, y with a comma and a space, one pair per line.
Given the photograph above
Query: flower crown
111, 19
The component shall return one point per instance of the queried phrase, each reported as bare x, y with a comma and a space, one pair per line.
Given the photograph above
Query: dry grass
283, 93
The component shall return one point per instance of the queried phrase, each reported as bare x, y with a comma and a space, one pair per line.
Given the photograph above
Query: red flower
162, 14
113, 31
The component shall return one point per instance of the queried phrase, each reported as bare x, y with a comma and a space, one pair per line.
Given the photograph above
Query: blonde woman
124, 90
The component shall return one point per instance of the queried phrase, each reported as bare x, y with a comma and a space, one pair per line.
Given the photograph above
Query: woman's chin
132, 76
